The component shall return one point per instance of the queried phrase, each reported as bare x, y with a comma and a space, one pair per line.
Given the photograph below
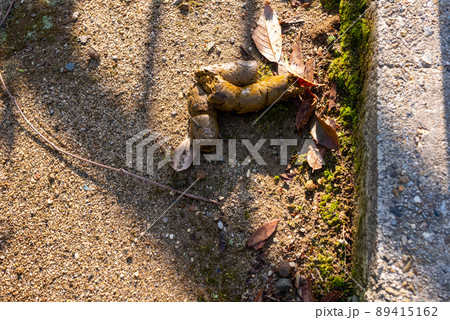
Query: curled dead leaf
183, 155
296, 58
333, 296
324, 134
267, 36
305, 108
314, 157
306, 292
261, 234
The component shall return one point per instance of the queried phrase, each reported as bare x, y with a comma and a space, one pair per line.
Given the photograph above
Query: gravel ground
408, 139
70, 231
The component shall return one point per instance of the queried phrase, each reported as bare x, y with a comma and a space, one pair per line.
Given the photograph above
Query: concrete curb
403, 231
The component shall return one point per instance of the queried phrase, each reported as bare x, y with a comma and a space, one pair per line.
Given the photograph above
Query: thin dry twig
121, 170
6, 14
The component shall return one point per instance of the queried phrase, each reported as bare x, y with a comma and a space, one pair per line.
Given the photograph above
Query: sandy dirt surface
73, 232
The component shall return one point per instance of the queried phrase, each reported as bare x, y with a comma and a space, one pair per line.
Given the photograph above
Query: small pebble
76, 255
404, 240
220, 225
70, 66
83, 39
171, 236
427, 32
75, 15
136, 274
403, 179
283, 285
427, 58
392, 291
417, 199
396, 211
94, 54
283, 269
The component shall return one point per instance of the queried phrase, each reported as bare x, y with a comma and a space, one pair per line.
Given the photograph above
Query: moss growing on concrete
348, 71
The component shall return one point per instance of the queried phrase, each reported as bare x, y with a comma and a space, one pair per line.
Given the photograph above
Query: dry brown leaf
307, 293
301, 80
296, 58
314, 158
305, 109
324, 134
259, 295
182, 156
332, 97
261, 234
267, 36
309, 70
333, 296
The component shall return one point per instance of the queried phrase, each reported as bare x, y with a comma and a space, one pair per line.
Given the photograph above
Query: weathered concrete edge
386, 239
367, 156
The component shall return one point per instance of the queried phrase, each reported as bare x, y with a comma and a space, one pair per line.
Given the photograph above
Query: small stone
392, 291
417, 199
403, 33
209, 46
283, 285
404, 240
180, 95
396, 211
310, 186
427, 58
401, 188
70, 66
75, 16
201, 174
283, 269
292, 265
76, 255
232, 41
427, 32
136, 274
269, 273
395, 192
192, 208
171, 236
403, 179
94, 54
423, 226
407, 266
413, 226
83, 39
188, 230
427, 235
220, 225
221, 198
49, 201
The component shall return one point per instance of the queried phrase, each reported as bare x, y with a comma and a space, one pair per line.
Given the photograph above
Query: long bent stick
54, 146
